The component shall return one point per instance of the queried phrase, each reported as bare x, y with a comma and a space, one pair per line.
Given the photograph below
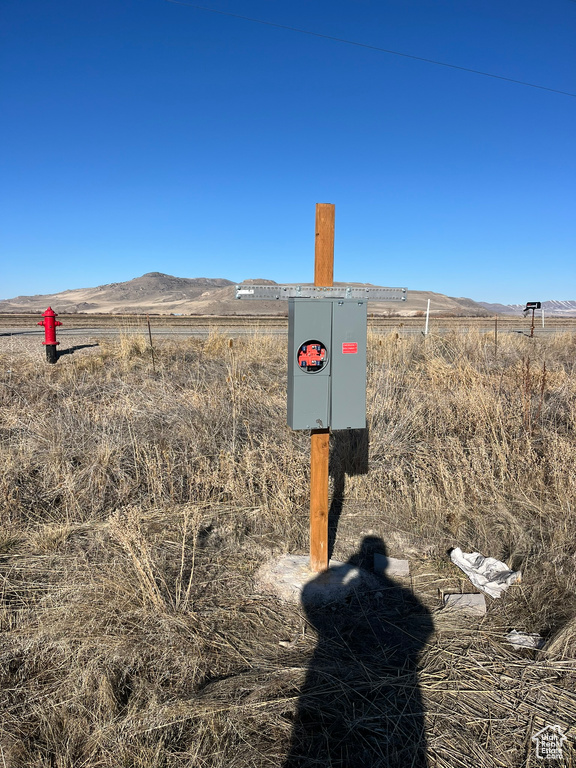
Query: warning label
349, 348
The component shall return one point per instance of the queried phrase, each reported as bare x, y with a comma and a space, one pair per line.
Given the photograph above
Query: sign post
327, 330
532, 306
320, 438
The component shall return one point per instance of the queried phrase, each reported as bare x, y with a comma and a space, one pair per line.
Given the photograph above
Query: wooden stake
496, 334
320, 438
324, 247
319, 455
151, 345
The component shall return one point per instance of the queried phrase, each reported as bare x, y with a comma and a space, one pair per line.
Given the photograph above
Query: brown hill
154, 292
157, 293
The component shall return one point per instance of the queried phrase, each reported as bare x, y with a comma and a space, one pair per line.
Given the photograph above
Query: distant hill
552, 308
157, 293
154, 292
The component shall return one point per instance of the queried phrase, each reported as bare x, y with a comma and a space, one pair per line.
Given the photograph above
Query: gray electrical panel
348, 370
327, 363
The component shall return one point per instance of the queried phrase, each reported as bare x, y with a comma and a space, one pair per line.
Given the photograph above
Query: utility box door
327, 363
309, 343
348, 364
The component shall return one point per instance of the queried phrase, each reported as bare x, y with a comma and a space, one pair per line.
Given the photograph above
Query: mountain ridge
163, 294
552, 308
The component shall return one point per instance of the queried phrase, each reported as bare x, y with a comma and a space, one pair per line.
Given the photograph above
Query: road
239, 331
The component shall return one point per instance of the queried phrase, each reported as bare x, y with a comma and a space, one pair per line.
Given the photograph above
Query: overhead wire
372, 47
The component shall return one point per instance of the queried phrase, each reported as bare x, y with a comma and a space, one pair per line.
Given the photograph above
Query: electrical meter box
327, 363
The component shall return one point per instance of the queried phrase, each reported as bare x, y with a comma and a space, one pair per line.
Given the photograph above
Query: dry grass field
137, 506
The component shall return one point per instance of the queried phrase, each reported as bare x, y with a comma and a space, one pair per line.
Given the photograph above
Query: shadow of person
360, 706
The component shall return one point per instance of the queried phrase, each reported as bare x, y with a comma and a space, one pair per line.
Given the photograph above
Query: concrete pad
525, 639
473, 604
290, 576
390, 566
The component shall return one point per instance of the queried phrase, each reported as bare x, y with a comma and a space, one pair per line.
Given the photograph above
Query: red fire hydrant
50, 342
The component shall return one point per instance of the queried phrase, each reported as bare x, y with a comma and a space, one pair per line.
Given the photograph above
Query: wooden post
319, 455
320, 438
496, 334
151, 345
324, 245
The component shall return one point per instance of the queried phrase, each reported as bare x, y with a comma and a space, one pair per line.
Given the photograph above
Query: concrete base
390, 566
288, 577
471, 603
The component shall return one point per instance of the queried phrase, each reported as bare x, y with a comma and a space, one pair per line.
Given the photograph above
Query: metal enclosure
348, 371
332, 394
308, 393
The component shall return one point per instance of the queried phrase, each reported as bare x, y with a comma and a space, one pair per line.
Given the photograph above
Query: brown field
137, 505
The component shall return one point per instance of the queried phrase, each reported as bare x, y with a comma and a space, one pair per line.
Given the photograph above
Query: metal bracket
273, 292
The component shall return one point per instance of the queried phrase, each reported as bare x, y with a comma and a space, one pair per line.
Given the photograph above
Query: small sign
350, 348
549, 742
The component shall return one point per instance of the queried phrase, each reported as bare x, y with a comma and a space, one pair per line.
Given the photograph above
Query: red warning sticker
349, 348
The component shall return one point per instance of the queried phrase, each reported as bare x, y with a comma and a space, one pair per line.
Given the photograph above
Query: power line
372, 47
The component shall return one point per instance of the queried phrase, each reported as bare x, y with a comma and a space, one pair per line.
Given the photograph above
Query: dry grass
136, 508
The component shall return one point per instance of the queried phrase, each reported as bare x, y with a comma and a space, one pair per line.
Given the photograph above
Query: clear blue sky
141, 135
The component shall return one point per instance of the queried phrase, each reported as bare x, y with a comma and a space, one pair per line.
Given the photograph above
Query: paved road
158, 331
273, 331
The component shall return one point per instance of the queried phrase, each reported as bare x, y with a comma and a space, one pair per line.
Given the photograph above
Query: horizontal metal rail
274, 292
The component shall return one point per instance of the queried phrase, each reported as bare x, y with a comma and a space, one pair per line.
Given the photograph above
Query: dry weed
136, 506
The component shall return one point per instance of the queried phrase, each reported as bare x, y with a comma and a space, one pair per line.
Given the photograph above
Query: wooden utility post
320, 438
496, 334
311, 308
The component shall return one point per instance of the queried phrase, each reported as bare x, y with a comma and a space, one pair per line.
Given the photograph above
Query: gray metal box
348, 368
327, 363
309, 320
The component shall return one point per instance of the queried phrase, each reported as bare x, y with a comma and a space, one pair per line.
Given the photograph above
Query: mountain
157, 293
552, 308
154, 292
499, 309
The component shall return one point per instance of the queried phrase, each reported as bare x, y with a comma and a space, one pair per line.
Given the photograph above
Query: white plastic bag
488, 574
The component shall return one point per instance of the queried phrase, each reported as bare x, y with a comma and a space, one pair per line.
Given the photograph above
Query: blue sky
142, 135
